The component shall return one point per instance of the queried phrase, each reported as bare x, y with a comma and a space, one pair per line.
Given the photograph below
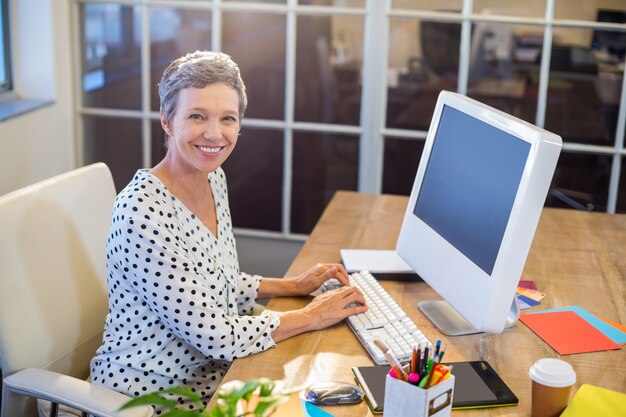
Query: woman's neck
185, 185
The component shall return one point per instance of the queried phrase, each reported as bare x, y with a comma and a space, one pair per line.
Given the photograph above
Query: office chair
53, 296
440, 48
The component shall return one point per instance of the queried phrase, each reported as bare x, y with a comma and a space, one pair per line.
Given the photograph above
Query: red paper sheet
567, 332
524, 283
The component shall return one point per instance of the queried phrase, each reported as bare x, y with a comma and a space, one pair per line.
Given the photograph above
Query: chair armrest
72, 392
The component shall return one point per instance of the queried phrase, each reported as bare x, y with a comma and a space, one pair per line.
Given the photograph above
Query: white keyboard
384, 320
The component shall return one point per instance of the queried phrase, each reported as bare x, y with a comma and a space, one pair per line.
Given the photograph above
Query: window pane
256, 41
621, 196
583, 90
402, 157
328, 69
528, 8
339, 3
322, 164
580, 181
585, 9
425, 61
110, 54
4, 45
157, 143
255, 176
445, 5
503, 58
117, 143
173, 33
257, 1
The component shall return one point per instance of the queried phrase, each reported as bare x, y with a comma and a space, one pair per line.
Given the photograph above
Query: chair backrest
53, 297
440, 47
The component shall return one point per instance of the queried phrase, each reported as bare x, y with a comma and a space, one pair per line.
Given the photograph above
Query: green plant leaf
177, 412
219, 412
154, 398
183, 392
262, 407
267, 387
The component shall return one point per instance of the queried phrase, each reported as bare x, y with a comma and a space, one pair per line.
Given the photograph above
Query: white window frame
372, 131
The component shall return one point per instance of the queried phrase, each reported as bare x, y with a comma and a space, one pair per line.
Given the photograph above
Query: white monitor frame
483, 300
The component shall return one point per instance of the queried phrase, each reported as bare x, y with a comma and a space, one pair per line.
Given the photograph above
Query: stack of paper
528, 295
597, 402
572, 329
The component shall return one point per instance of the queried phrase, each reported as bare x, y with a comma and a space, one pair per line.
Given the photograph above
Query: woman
179, 308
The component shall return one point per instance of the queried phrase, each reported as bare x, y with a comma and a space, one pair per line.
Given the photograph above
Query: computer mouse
333, 393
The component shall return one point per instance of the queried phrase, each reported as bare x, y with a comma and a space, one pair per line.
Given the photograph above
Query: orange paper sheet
567, 332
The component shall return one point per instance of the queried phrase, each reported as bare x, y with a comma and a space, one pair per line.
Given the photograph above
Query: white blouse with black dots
178, 304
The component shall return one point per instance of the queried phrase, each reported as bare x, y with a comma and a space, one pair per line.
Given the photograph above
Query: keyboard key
384, 320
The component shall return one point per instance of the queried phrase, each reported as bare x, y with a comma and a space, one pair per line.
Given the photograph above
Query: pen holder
406, 400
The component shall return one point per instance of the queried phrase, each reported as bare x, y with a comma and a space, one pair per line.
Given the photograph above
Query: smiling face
204, 128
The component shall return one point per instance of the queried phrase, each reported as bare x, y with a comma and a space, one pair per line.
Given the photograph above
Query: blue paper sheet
311, 410
611, 332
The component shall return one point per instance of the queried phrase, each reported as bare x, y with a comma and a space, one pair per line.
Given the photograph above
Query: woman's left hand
311, 279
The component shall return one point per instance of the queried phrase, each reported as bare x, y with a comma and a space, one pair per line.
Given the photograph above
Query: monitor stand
451, 323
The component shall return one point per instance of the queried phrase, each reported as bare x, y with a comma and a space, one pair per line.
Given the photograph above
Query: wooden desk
577, 258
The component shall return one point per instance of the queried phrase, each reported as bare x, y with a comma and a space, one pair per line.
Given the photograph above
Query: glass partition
256, 41
117, 143
402, 157
254, 172
111, 55
322, 164
425, 62
174, 33
581, 181
328, 69
504, 59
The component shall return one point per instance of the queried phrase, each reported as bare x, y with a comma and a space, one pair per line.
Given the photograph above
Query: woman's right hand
333, 306
323, 311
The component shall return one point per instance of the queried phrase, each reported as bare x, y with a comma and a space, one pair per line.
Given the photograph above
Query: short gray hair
199, 69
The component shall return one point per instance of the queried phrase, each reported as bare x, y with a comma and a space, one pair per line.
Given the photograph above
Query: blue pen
437, 347
441, 353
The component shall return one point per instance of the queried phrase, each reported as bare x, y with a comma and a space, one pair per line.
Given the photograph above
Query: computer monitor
478, 194
613, 42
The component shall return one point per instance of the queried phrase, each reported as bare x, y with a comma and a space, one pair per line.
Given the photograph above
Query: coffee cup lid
553, 373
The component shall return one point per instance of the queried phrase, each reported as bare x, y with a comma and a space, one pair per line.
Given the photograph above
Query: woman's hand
303, 284
311, 279
323, 311
333, 306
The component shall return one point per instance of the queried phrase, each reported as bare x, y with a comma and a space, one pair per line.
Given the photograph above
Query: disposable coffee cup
552, 380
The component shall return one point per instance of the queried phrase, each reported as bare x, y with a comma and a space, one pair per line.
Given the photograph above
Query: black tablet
476, 385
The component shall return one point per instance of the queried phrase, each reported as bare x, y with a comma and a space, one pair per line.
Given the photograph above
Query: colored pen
414, 361
427, 374
425, 361
442, 353
437, 347
419, 359
393, 361
431, 375
393, 373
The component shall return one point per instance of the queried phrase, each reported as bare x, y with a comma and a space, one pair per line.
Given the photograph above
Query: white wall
39, 144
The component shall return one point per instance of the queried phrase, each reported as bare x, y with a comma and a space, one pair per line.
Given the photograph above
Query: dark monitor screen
467, 193
613, 42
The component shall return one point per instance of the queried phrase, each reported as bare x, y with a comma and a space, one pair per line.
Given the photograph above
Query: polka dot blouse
178, 304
